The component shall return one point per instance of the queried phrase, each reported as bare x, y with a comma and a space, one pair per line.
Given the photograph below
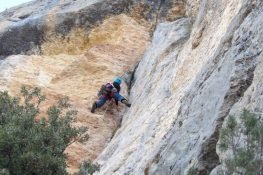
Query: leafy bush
33, 146
88, 168
245, 141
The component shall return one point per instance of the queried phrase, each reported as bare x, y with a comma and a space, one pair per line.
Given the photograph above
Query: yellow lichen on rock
117, 30
74, 43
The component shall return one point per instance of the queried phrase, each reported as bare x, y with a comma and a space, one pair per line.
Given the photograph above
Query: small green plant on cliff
32, 145
245, 142
87, 168
192, 171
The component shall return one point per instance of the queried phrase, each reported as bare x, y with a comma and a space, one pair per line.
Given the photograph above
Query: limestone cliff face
70, 58
79, 76
191, 77
204, 62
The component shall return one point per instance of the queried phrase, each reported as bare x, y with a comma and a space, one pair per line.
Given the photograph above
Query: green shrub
87, 168
192, 171
245, 140
31, 146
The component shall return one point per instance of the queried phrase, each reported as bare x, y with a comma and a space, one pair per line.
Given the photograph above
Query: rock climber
109, 92
117, 84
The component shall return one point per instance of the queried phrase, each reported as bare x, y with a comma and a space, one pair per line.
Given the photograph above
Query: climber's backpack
106, 89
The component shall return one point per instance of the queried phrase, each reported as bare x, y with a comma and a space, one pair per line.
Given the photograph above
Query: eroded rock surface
204, 62
184, 88
26, 27
70, 48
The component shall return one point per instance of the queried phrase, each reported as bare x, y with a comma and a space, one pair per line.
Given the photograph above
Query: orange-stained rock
109, 50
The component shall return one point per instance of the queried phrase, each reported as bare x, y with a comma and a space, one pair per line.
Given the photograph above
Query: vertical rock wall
186, 84
71, 48
77, 67
201, 66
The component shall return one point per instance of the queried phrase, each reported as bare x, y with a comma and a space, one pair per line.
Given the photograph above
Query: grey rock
197, 71
25, 27
182, 94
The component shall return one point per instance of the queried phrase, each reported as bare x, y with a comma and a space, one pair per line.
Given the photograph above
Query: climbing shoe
124, 101
94, 106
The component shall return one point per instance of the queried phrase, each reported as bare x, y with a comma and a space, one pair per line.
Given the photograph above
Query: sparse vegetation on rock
244, 141
88, 168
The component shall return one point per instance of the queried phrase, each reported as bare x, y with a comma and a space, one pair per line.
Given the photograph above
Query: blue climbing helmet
117, 80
